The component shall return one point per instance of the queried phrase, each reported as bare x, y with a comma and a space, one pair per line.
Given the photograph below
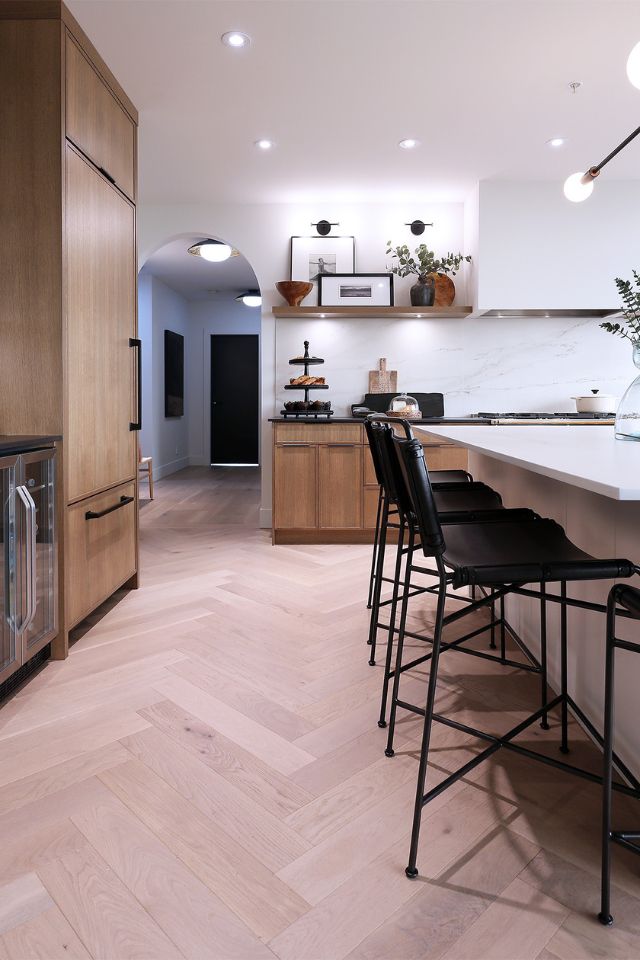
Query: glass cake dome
405, 407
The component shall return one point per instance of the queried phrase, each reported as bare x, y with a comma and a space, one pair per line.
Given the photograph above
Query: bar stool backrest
410, 457
375, 455
393, 481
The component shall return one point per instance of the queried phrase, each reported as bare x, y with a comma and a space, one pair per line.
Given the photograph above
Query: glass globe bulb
575, 189
633, 66
252, 300
215, 252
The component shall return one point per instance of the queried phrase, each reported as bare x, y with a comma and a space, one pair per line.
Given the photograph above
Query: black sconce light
324, 227
417, 227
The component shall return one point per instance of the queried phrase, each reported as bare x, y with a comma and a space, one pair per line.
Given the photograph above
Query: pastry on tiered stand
306, 381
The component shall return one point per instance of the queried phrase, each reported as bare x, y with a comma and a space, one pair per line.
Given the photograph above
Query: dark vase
423, 292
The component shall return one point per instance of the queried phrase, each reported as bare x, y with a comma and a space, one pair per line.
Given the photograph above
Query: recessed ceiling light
235, 39
264, 144
409, 144
556, 142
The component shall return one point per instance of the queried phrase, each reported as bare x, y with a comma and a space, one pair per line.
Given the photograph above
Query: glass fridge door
9, 654
36, 506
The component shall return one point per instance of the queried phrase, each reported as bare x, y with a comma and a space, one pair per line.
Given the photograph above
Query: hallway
211, 783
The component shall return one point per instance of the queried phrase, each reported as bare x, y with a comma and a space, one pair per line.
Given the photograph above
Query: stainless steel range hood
595, 313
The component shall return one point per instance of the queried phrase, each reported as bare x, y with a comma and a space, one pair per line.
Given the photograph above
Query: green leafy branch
423, 261
630, 296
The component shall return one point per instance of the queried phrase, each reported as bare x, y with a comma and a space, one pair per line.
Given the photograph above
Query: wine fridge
28, 555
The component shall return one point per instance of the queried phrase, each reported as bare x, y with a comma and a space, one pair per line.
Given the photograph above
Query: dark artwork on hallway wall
173, 374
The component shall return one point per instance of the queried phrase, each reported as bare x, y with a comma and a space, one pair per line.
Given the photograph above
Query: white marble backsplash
486, 364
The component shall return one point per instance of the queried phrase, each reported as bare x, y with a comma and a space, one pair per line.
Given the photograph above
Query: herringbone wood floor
204, 777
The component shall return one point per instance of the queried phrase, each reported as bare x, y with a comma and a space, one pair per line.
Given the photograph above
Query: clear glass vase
628, 415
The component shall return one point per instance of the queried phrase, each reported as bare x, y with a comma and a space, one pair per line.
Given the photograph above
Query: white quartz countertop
588, 457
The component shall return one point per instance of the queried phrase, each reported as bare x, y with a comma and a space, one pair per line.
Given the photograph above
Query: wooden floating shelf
367, 313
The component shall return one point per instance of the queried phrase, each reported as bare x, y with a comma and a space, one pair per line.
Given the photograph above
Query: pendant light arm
594, 171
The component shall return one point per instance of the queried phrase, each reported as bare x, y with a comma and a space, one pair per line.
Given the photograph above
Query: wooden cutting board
383, 380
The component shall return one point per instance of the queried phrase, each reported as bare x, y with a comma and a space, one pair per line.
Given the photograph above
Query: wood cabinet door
100, 280
340, 485
96, 121
295, 486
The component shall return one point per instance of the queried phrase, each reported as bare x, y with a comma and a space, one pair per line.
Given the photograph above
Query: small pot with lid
596, 402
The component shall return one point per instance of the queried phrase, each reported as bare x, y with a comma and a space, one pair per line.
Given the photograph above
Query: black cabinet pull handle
95, 515
134, 342
106, 174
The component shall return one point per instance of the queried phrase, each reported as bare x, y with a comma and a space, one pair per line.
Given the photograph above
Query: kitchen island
589, 482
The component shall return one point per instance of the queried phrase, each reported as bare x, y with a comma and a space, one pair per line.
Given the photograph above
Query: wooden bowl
294, 291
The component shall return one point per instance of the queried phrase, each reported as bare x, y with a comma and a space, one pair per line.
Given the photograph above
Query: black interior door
235, 407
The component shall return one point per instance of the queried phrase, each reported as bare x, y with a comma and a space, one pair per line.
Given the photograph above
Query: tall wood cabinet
68, 351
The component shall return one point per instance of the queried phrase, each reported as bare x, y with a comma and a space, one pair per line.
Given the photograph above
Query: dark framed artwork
314, 257
173, 374
356, 290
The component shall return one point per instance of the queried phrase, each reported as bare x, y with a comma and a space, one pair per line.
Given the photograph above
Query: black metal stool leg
377, 589
397, 581
411, 870
544, 722
403, 623
503, 633
605, 905
564, 707
492, 641
376, 537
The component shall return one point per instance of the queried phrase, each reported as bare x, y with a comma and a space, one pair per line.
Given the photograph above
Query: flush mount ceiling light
264, 144
556, 142
215, 251
250, 298
409, 143
633, 66
235, 39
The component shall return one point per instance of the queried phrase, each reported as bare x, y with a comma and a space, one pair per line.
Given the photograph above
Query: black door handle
95, 515
134, 342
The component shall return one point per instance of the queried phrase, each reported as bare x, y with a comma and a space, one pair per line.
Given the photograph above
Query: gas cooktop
545, 416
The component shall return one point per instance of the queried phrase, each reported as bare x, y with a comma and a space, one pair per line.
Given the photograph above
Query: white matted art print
313, 257
356, 290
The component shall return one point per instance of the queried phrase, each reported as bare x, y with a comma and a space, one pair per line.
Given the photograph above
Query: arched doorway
201, 373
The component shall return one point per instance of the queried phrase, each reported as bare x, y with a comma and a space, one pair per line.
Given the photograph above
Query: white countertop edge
613, 491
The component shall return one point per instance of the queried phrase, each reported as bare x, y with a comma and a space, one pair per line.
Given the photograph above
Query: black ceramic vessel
423, 292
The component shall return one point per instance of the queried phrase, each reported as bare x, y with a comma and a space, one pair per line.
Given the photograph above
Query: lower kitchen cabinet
295, 500
100, 548
340, 486
324, 484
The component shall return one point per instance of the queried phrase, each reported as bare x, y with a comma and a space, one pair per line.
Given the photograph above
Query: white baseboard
166, 469
265, 518
199, 462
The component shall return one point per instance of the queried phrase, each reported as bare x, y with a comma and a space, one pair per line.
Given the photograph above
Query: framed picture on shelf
315, 257
355, 290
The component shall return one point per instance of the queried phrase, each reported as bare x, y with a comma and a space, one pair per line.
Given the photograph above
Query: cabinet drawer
446, 457
318, 433
100, 551
96, 122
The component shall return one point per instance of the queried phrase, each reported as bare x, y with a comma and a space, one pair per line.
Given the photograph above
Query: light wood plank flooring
204, 777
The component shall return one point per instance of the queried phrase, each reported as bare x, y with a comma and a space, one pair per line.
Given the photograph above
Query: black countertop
434, 421
13, 444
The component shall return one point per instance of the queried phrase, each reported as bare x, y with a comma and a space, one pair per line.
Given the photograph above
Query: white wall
160, 308
216, 316
538, 250
534, 246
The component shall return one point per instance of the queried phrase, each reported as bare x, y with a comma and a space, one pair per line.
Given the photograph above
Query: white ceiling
197, 279
336, 83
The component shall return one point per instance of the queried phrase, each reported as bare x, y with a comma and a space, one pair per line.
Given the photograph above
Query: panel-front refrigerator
28, 556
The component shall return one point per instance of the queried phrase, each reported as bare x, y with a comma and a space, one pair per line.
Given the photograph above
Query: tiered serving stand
307, 412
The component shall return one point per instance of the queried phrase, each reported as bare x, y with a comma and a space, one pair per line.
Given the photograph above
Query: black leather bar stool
623, 601
438, 476
470, 503
504, 557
